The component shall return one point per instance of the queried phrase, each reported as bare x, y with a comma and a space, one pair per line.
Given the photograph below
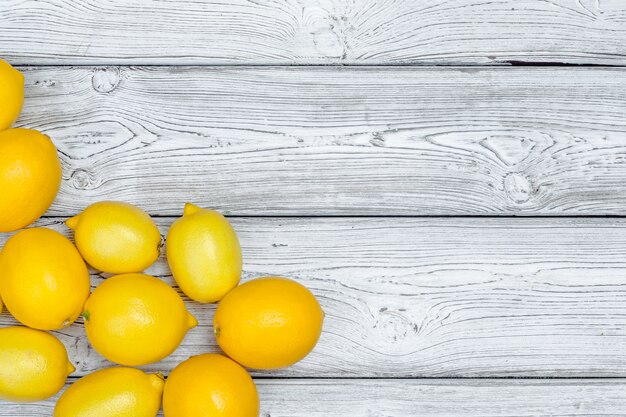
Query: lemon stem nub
72, 222
86, 315
191, 209
191, 321
217, 332
157, 381
70, 368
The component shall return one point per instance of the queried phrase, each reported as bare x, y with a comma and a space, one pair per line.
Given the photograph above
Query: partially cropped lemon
268, 323
30, 176
136, 319
11, 94
43, 280
210, 385
33, 364
112, 392
116, 237
204, 254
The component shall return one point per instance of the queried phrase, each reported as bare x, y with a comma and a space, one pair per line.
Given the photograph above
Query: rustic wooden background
448, 177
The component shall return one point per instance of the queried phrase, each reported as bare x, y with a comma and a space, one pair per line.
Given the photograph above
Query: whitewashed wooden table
438, 172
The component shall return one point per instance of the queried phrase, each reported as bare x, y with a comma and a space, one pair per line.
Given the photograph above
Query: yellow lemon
210, 385
116, 237
43, 280
204, 254
136, 319
11, 94
33, 364
268, 323
30, 176
112, 392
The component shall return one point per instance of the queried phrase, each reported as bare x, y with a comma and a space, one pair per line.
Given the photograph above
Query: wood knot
80, 179
518, 187
105, 80
395, 327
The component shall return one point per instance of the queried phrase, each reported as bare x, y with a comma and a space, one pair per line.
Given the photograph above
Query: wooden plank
331, 141
312, 32
432, 398
481, 297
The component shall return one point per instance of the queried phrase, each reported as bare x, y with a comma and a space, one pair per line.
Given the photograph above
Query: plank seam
500, 64
383, 216
487, 378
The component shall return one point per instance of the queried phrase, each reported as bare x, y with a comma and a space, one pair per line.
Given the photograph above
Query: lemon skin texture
116, 237
204, 254
11, 94
43, 280
210, 385
268, 323
136, 319
112, 392
30, 177
33, 364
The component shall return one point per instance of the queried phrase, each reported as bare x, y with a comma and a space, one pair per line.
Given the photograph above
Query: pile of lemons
131, 318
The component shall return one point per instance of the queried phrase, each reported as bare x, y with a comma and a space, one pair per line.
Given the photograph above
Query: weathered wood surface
435, 297
427, 398
337, 141
312, 31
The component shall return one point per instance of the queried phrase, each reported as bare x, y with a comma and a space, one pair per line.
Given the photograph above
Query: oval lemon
11, 94
33, 364
112, 392
43, 280
268, 323
116, 237
136, 319
210, 385
204, 254
30, 177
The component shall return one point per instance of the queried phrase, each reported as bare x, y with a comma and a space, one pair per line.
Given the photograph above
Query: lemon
136, 319
30, 176
112, 392
116, 237
204, 254
268, 323
210, 385
11, 94
43, 280
33, 364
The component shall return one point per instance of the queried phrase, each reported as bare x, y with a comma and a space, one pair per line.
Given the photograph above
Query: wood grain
432, 398
337, 141
434, 297
313, 32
